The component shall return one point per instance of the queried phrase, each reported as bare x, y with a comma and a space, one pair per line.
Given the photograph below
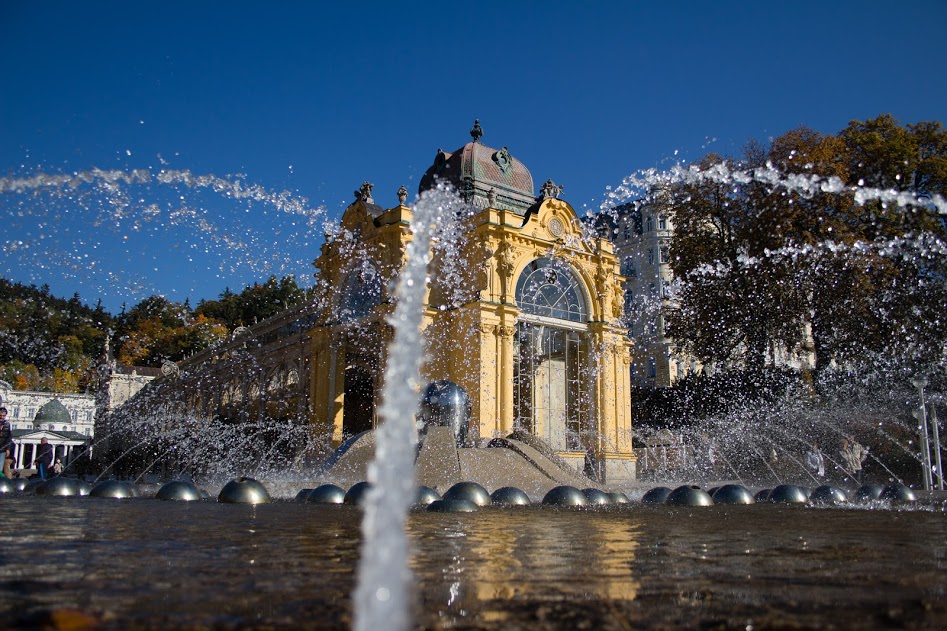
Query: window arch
552, 395
361, 292
550, 289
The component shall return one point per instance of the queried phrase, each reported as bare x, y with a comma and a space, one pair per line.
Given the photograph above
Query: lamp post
921, 415
940, 469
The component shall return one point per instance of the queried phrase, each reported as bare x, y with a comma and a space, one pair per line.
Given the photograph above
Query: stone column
332, 387
505, 335
484, 398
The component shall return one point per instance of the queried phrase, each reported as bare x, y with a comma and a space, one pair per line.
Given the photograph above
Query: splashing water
384, 580
738, 442
169, 223
803, 184
382, 593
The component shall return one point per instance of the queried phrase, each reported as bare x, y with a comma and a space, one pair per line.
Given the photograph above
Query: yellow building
522, 312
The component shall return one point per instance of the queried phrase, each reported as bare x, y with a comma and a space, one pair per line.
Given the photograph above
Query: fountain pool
101, 563
143, 563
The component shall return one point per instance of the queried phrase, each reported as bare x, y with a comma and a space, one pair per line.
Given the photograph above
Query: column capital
504, 331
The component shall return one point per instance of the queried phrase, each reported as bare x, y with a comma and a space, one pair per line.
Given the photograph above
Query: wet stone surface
70, 562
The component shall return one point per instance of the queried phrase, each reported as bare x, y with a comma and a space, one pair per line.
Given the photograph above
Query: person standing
853, 456
57, 468
44, 458
6, 444
815, 460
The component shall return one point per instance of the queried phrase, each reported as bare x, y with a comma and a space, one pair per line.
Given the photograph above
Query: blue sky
313, 98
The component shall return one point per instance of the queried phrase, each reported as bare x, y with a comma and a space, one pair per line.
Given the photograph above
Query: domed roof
485, 177
52, 412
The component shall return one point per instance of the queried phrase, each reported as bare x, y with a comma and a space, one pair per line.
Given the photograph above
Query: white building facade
642, 236
70, 430
23, 405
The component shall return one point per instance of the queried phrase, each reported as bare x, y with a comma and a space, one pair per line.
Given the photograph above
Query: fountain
563, 563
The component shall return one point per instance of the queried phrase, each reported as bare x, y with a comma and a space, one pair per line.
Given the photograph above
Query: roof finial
477, 132
364, 193
551, 190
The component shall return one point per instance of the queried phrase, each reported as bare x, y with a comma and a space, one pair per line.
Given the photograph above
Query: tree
157, 330
763, 267
732, 302
255, 303
911, 296
41, 334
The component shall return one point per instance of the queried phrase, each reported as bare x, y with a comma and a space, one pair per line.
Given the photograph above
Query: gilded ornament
503, 331
617, 300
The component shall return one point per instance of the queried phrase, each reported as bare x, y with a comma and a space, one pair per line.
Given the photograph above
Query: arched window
550, 289
361, 292
275, 382
552, 394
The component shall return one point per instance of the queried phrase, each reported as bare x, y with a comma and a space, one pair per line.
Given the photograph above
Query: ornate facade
523, 312
67, 421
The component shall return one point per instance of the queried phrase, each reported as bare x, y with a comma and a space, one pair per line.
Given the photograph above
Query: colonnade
24, 451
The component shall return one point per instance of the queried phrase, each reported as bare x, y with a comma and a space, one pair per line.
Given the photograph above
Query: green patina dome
52, 412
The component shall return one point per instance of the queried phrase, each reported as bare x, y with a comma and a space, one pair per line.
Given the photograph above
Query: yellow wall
473, 344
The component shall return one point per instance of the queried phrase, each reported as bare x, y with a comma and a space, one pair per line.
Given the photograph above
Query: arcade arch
552, 395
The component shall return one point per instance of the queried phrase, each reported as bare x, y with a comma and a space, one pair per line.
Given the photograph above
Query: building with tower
531, 330
67, 421
523, 311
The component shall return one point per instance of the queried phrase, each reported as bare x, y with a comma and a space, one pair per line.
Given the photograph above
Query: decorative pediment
356, 218
55, 438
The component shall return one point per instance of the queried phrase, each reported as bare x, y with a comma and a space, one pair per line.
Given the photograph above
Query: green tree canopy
255, 303
765, 268
53, 344
48, 343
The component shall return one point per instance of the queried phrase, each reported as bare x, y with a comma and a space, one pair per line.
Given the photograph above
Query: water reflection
486, 563
143, 563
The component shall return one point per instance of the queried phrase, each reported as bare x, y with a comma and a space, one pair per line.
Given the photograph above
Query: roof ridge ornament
477, 131
364, 193
551, 190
